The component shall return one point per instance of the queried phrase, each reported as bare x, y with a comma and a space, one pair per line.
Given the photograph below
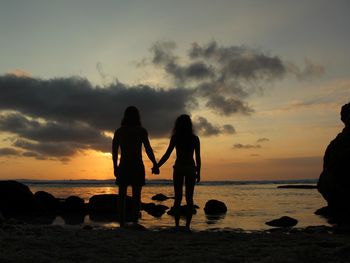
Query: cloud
49, 149
71, 100
225, 76
246, 146
240, 61
260, 140
79, 134
9, 152
228, 128
309, 71
58, 117
205, 128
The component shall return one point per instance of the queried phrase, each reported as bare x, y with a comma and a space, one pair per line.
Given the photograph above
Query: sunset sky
263, 81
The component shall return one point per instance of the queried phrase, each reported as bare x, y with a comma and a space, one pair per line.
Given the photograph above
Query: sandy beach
33, 243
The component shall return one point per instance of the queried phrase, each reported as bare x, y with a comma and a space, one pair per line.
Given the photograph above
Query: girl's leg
189, 184
178, 184
136, 198
121, 204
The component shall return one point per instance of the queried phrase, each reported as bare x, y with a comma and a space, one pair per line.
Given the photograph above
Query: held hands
155, 170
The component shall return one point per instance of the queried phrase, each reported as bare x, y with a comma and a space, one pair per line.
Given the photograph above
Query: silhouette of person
334, 181
130, 170
186, 169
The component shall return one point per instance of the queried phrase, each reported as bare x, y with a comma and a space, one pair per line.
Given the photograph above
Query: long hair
183, 131
131, 117
183, 126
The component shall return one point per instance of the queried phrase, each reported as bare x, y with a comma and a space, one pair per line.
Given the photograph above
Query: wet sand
33, 243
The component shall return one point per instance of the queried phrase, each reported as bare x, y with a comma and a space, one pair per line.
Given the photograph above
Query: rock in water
284, 221
73, 204
15, 198
105, 207
215, 207
160, 197
334, 181
324, 211
73, 210
45, 202
154, 210
106, 203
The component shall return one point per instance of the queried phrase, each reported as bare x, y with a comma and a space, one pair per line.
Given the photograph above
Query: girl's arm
115, 148
149, 150
197, 151
168, 152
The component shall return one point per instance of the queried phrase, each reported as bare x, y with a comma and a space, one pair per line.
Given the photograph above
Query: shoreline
47, 243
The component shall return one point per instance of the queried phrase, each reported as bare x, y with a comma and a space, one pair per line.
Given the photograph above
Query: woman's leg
178, 184
121, 204
136, 198
189, 184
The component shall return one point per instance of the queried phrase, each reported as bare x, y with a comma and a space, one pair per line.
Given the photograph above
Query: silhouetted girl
130, 170
185, 169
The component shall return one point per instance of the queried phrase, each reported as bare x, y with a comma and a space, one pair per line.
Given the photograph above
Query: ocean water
250, 204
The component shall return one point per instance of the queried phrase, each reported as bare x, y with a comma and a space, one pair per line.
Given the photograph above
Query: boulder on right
334, 181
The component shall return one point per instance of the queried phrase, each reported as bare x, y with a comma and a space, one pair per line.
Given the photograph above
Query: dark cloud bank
55, 118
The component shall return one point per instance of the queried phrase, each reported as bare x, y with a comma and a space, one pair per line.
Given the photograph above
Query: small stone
284, 221
159, 197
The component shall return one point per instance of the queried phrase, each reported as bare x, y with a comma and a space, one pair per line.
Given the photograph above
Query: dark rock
284, 221
183, 210
154, 210
73, 218
106, 203
73, 204
45, 202
104, 208
72, 210
215, 207
160, 197
88, 227
2, 219
298, 186
15, 198
334, 181
324, 211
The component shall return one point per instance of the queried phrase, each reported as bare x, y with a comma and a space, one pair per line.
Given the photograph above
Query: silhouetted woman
130, 170
186, 169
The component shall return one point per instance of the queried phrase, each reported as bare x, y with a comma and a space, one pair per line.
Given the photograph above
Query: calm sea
250, 204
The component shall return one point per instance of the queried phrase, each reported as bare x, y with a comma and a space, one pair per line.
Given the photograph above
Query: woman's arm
197, 151
115, 149
168, 152
149, 150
